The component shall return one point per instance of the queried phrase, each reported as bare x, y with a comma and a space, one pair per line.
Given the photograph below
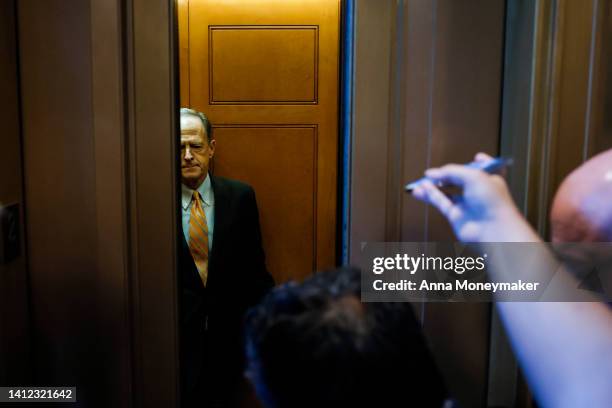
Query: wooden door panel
280, 164
183, 29
266, 74
281, 62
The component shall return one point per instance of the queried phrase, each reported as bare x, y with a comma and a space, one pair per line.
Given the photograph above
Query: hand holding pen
482, 162
482, 211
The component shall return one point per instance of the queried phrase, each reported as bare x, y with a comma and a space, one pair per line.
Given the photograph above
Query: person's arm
565, 349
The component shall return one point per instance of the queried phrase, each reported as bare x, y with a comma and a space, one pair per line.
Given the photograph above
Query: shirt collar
205, 191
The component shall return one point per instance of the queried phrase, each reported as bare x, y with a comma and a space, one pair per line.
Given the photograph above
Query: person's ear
211, 150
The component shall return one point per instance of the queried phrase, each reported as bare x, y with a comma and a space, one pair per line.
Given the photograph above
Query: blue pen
489, 166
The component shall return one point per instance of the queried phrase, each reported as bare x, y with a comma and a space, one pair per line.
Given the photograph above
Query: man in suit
222, 270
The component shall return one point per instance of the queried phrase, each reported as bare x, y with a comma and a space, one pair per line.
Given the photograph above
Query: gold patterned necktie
198, 236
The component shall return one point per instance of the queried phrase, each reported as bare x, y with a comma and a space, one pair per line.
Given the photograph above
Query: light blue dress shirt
208, 202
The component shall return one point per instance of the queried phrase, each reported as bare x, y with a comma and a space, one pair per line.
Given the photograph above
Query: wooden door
266, 74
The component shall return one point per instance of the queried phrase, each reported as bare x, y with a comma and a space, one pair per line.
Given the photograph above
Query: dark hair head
202, 117
316, 344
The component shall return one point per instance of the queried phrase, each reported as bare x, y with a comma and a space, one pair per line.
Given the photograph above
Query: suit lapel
221, 222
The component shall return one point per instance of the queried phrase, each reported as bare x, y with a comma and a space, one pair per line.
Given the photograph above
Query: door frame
152, 106
135, 84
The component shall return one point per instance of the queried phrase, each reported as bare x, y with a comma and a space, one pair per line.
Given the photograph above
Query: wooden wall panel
281, 62
183, 31
245, 153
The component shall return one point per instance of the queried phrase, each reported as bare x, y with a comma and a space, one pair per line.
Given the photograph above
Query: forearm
509, 226
564, 349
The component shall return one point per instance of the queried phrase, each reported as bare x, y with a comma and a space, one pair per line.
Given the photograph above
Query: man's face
196, 151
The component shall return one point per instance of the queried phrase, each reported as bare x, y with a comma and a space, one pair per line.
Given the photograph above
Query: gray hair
201, 116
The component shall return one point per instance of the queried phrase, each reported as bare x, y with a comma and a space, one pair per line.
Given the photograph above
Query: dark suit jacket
212, 356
